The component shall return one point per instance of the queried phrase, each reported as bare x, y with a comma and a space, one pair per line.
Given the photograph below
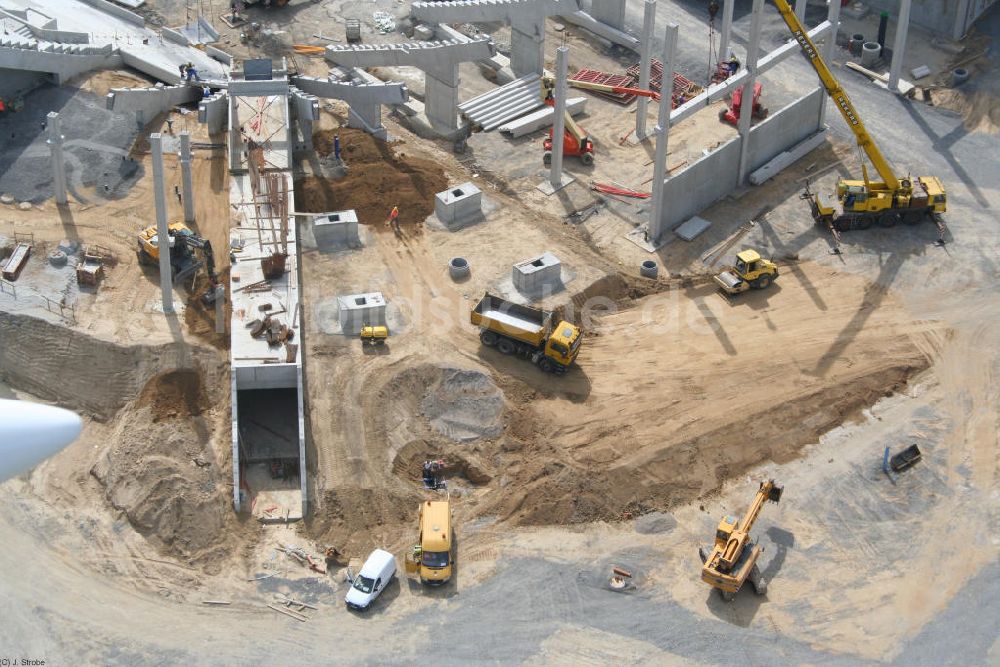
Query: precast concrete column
527, 44
55, 142
162, 234
746, 112
800, 11
833, 16
645, 63
609, 12
187, 186
899, 44
727, 28
559, 120
662, 132
441, 97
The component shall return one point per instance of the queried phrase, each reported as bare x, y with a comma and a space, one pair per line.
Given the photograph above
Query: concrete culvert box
339, 228
458, 267
648, 269
357, 310
538, 274
458, 204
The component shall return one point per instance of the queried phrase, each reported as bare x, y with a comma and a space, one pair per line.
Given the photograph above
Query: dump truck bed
523, 323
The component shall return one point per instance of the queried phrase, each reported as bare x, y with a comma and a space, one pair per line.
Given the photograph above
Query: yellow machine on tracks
750, 271
861, 203
733, 559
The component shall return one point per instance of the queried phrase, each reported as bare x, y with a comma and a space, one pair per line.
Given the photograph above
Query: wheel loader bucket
775, 493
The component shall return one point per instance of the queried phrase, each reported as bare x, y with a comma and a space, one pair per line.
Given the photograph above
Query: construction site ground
681, 401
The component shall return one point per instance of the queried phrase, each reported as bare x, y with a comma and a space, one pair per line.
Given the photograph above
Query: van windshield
434, 559
364, 584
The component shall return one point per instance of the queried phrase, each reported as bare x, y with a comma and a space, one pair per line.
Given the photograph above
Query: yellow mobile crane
733, 558
859, 204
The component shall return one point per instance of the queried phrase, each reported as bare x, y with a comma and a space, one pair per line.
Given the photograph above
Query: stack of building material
684, 88
502, 105
616, 80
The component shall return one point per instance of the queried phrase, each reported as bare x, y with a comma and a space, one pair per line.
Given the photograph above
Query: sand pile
979, 108
160, 471
378, 178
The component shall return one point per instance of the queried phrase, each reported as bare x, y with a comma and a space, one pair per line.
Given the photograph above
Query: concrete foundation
459, 204
538, 274
357, 310
339, 228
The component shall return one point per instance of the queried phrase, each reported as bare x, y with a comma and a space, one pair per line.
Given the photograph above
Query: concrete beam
364, 100
662, 132
620, 37
526, 19
437, 58
151, 101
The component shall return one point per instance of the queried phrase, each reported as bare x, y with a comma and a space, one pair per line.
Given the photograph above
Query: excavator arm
838, 95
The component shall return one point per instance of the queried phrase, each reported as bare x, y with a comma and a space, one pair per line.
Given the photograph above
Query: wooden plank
288, 612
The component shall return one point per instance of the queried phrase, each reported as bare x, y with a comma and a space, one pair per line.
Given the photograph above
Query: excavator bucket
774, 495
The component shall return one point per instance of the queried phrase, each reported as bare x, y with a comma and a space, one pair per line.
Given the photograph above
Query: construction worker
192, 73
713, 9
393, 220
733, 64
181, 68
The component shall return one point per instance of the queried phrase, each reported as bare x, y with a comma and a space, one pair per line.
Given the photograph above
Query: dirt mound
163, 475
352, 517
179, 393
979, 108
464, 405
378, 178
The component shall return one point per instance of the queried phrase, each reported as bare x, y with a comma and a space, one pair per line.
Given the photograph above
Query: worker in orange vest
394, 219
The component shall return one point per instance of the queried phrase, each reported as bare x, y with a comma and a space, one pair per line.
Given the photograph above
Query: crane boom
838, 95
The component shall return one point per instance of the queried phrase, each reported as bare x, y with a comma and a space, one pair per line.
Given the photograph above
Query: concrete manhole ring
648, 269
458, 268
58, 258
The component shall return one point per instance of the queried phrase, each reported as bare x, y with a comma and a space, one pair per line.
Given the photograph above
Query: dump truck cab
564, 344
749, 271
435, 549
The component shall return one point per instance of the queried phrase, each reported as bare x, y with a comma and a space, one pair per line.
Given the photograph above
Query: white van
375, 575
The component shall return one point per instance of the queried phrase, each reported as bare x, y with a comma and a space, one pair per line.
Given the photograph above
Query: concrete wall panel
272, 376
701, 184
782, 130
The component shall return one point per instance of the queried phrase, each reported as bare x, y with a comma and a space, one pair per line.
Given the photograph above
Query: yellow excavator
733, 559
860, 203
185, 246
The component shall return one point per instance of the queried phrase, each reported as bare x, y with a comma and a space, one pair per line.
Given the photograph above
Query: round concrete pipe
57, 258
870, 52
854, 46
458, 268
959, 75
648, 269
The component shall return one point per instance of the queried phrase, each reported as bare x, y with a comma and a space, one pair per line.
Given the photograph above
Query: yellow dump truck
528, 332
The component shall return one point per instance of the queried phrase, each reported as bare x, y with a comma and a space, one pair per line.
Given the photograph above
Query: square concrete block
538, 274
458, 204
339, 228
357, 310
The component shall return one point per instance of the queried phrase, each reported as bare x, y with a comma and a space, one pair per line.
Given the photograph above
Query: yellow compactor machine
733, 558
